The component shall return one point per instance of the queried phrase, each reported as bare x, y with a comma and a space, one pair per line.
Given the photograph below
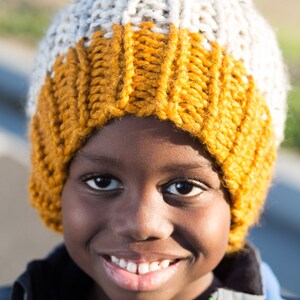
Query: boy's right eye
103, 183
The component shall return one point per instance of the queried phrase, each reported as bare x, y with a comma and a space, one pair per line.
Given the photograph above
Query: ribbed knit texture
154, 68
233, 24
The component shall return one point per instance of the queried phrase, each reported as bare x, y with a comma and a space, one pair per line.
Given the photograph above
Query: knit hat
211, 67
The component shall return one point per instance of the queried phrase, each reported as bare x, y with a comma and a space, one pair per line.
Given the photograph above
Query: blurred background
22, 238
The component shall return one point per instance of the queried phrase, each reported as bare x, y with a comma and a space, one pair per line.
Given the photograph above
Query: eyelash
166, 188
194, 183
94, 177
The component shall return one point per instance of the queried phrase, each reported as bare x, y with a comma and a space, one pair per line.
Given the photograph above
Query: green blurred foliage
290, 45
25, 22
292, 132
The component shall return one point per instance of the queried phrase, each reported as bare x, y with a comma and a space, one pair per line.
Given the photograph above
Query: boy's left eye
103, 183
184, 188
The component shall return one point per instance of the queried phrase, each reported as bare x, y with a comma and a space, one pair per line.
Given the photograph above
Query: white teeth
154, 266
123, 263
143, 268
165, 263
131, 267
115, 260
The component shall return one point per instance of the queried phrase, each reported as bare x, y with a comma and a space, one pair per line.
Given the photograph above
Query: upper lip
139, 257
142, 251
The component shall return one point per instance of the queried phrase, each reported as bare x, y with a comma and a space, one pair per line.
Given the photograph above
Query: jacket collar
56, 277
241, 271
224, 294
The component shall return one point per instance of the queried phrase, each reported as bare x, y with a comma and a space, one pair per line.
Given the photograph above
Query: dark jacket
58, 278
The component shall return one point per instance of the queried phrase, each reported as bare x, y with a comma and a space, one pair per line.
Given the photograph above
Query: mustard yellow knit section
204, 92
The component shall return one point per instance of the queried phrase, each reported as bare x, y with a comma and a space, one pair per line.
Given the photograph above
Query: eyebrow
99, 158
167, 168
187, 166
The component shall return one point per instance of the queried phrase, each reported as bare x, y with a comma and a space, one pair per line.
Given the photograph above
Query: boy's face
144, 196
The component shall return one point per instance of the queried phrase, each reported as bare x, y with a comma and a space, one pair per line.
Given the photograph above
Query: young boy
154, 131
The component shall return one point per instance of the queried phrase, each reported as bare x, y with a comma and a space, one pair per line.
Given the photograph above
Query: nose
142, 216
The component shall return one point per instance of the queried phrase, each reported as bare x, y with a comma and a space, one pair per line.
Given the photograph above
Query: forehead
150, 138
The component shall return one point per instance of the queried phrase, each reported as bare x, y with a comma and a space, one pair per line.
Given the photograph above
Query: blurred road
278, 236
24, 238
22, 235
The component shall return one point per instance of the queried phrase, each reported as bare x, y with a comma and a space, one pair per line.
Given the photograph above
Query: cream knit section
233, 24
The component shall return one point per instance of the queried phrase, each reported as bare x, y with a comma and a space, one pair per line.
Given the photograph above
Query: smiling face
144, 212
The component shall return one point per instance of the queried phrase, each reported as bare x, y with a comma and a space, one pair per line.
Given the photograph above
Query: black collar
241, 271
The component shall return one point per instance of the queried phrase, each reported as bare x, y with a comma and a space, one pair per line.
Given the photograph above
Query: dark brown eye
103, 183
184, 188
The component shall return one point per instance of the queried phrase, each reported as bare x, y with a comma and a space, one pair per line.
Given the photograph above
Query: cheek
210, 229
218, 229
80, 218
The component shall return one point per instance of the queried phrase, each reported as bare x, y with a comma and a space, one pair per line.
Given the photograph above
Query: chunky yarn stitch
212, 68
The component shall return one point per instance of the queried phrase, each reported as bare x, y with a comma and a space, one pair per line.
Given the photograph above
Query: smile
141, 268
140, 276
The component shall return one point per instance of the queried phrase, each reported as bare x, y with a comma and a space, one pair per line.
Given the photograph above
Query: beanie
211, 67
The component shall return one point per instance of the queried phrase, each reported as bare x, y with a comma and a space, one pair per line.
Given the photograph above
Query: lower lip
136, 282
